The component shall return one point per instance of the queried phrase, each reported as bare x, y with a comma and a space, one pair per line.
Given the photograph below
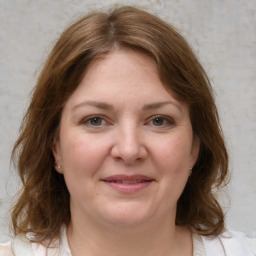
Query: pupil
96, 121
158, 121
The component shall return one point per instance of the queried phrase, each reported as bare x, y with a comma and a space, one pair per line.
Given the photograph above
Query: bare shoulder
5, 250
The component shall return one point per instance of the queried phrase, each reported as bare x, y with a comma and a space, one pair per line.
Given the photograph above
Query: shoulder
5, 249
234, 237
23, 245
232, 243
252, 244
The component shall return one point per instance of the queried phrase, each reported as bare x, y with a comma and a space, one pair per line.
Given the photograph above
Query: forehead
123, 62
122, 75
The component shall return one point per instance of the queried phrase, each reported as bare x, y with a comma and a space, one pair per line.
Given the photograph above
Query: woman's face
125, 144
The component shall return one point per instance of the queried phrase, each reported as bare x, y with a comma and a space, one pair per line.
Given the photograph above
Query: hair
43, 202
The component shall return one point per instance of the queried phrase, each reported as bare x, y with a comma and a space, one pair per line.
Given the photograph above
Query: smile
128, 184
129, 181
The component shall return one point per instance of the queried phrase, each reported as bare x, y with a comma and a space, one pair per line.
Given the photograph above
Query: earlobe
57, 156
195, 150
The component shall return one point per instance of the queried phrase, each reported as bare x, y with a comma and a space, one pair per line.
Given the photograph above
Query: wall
222, 33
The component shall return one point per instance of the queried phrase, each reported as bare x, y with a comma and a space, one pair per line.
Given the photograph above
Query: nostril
128, 143
129, 154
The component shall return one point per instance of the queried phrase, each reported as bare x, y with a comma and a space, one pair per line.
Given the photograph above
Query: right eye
94, 121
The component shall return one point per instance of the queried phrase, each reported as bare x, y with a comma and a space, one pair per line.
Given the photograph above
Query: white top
62, 247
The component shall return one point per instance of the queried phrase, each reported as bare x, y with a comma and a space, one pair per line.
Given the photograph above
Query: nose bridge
129, 138
128, 142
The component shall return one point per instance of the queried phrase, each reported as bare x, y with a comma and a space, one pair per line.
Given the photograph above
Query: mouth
129, 181
128, 184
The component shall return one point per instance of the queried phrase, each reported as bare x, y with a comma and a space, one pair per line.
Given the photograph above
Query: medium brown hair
43, 203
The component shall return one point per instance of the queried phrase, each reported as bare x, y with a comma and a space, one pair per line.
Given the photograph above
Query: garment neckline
198, 247
64, 246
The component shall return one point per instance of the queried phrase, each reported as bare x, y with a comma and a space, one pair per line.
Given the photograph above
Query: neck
160, 239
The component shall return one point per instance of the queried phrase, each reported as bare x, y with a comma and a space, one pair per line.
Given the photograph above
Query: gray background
223, 35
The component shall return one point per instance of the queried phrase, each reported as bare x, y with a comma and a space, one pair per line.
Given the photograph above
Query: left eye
95, 121
158, 121
161, 121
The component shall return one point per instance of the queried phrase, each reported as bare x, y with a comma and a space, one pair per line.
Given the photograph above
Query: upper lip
122, 177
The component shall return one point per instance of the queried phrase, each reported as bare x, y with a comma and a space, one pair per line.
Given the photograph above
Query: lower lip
128, 188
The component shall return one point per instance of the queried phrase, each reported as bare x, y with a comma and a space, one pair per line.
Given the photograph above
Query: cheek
173, 153
172, 161
81, 155
81, 164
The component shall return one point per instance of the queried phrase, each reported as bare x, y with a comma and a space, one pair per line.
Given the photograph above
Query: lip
128, 183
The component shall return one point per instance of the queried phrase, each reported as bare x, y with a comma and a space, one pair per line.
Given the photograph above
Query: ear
56, 150
194, 150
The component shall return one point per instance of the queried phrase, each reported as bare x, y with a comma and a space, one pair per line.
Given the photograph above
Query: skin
121, 120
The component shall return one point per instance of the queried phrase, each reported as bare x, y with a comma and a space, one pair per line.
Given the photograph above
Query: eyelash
88, 119
166, 121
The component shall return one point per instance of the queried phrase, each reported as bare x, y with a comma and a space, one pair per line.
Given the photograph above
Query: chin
128, 215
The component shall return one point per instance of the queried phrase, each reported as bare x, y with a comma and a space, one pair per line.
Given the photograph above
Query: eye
94, 121
158, 121
161, 121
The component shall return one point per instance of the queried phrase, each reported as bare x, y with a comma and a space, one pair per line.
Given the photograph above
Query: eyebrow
106, 106
100, 105
157, 105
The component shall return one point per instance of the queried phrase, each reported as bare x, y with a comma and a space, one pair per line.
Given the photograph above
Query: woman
121, 151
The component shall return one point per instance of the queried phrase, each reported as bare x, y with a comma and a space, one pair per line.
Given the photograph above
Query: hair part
43, 203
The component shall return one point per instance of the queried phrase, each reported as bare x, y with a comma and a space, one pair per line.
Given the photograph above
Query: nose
128, 145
